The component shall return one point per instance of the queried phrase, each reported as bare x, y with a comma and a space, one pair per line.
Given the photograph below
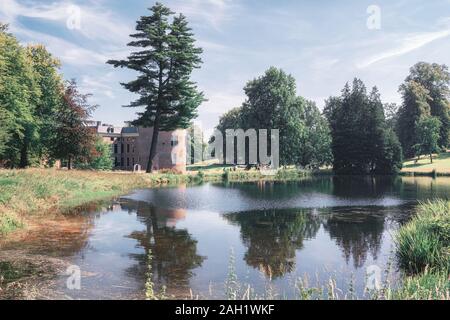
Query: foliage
362, 142
272, 103
51, 86
35, 107
100, 159
73, 139
425, 93
164, 65
427, 131
19, 94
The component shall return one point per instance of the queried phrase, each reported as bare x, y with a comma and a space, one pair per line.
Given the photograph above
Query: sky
323, 44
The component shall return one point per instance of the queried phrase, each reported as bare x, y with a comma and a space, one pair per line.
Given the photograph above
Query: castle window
128, 148
115, 149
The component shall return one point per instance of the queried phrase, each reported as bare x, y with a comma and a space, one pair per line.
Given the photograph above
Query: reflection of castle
131, 147
173, 251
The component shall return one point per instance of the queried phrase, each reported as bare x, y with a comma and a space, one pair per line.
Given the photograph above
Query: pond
270, 233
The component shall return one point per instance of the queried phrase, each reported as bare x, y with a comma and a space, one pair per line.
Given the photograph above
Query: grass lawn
441, 164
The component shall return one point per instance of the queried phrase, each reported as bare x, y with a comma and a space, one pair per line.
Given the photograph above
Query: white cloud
406, 44
98, 85
66, 51
213, 12
221, 102
97, 23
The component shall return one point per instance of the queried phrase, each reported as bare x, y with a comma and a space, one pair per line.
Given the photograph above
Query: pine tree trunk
153, 145
69, 163
431, 157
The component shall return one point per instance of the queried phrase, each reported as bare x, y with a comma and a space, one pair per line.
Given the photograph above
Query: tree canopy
362, 142
272, 103
34, 106
425, 93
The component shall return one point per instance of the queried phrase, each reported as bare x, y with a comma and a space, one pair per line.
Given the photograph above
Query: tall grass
424, 242
38, 191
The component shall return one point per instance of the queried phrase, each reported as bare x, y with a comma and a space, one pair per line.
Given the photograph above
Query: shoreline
35, 192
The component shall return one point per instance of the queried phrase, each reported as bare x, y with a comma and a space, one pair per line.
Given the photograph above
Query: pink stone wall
168, 155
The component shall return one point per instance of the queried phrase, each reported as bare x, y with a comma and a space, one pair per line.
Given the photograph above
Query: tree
391, 113
165, 64
51, 86
4, 132
428, 135
272, 103
311, 141
425, 92
362, 143
415, 106
101, 158
18, 99
73, 139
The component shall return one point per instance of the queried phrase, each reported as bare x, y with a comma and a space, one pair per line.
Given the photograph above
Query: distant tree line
356, 133
42, 117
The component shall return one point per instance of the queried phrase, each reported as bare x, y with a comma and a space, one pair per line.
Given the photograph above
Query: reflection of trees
272, 236
174, 252
276, 190
364, 186
424, 188
357, 233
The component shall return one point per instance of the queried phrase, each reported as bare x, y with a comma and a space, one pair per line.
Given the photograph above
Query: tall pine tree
165, 63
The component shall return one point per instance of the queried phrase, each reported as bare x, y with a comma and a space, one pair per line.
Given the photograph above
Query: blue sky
323, 44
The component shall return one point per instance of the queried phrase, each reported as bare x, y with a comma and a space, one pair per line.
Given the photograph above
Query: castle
131, 147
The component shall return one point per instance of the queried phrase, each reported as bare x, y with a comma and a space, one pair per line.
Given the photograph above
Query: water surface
273, 233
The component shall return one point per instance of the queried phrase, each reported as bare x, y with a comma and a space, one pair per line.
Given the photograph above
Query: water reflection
272, 237
313, 226
357, 232
173, 250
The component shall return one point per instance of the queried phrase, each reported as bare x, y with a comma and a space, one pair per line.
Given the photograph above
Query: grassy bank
39, 191
423, 252
424, 167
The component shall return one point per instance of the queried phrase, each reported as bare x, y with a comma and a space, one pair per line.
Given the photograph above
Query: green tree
272, 103
101, 157
415, 106
311, 140
19, 95
425, 92
165, 63
428, 135
73, 139
4, 133
51, 86
362, 143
